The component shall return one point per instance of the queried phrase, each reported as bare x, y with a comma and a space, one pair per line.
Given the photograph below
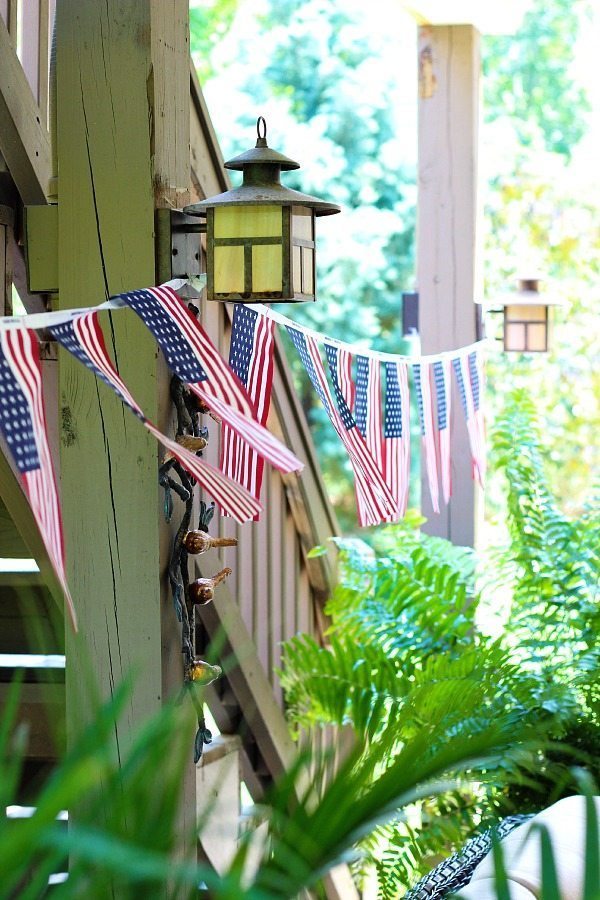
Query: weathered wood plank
24, 139
218, 800
29, 620
247, 678
119, 83
12, 544
447, 213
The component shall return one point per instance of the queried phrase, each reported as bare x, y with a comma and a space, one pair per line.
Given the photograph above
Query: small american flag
422, 378
340, 367
23, 424
192, 356
396, 432
469, 378
441, 377
476, 373
251, 359
374, 498
368, 405
83, 338
367, 411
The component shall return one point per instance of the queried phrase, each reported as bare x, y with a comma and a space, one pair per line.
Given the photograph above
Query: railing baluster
29, 41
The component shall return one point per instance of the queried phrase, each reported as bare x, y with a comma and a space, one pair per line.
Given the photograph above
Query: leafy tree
527, 76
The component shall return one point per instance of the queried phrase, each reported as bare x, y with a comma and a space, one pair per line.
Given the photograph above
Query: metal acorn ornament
202, 590
200, 542
202, 673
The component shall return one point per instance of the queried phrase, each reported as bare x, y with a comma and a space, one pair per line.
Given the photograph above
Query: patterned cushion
455, 872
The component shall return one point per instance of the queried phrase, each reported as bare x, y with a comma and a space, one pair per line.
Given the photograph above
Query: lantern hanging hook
261, 124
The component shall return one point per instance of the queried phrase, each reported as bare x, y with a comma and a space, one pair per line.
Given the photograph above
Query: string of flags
366, 397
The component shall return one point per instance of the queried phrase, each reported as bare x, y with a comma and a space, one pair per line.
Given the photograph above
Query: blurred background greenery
337, 85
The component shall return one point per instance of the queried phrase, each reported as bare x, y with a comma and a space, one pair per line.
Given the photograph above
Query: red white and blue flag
340, 363
469, 377
422, 379
251, 359
192, 356
374, 498
443, 388
396, 432
82, 336
23, 424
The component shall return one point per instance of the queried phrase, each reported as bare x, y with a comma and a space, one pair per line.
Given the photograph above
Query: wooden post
447, 182
123, 148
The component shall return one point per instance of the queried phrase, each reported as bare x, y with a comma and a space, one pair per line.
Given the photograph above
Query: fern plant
404, 647
403, 651
551, 565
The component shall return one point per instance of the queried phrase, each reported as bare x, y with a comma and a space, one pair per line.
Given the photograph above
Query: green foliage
209, 23
527, 76
404, 652
405, 647
123, 837
550, 570
551, 562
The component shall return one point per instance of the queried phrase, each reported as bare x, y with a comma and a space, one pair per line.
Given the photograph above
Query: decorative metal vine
188, 596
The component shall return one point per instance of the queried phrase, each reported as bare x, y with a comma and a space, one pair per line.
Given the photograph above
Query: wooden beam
262, 721
41, 708
24, 139
449, 69
254, 695
122, 126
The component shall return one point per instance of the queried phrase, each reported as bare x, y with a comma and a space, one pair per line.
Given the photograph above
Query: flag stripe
374, 497
441, 373
463, 377
422, 377
251, 359
25, 420
83, 338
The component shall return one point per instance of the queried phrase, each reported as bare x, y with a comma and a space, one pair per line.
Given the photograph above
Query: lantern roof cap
527, 294
261, 154
261, 186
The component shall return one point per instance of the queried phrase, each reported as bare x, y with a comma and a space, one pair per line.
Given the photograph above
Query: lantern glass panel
266, 269
524, 313
229, 270
308, 286
514, 336
536, 338
297, 269
247, 221
303, 223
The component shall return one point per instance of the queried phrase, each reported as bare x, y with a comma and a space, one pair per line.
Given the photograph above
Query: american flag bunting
375, 501
470, 398
340, 367
422, 379
442, 382
367, 411
396, 432
192, 356
83, 338
251, 359
23, 424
